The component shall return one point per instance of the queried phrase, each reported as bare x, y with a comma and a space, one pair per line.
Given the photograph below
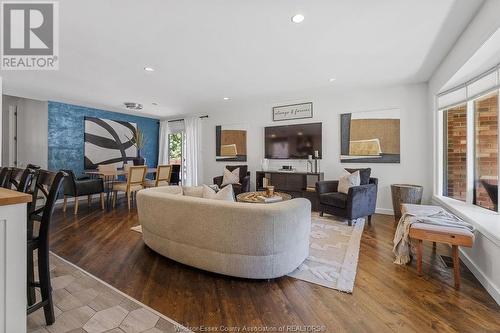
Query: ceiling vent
133, 106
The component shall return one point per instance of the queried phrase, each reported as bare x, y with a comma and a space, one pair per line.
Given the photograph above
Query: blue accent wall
66, 133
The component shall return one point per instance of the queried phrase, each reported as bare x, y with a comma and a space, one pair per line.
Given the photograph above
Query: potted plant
139, 141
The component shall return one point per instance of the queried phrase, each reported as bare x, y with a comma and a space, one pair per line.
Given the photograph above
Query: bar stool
47, 184
5, 177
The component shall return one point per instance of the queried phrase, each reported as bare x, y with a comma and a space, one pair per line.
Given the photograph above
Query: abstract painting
370, 136
108, 142
230, 143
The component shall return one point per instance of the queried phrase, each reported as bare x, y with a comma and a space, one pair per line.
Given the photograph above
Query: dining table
109, 178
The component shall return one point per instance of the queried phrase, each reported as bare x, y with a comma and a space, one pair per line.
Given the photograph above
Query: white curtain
192, 150
163, 144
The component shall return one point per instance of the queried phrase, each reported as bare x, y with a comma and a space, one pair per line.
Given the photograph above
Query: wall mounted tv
293, 141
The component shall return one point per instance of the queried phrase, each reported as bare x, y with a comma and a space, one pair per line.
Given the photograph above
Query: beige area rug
333, 254
83, 303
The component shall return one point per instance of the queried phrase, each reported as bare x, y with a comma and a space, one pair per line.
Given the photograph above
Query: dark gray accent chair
76, 187
360, 201
243, 186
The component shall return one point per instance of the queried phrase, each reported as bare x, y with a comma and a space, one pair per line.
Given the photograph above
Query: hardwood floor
386, 297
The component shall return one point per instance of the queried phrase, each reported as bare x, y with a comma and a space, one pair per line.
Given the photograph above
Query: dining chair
108, 169
134, 183
163, 174
79, 187
46, 186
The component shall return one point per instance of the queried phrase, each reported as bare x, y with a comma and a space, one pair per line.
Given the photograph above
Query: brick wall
486, 148
456, 126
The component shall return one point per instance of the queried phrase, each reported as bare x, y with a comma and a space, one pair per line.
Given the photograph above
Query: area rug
83, 303
333, 254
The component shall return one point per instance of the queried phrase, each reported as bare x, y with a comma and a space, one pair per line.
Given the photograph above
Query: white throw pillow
231, 177
226, 194
348, 180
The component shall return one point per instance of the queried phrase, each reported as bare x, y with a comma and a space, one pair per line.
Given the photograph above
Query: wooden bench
438, 234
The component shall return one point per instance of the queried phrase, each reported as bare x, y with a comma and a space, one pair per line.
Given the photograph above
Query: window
468, 135
175, 148
486, 151
455, 154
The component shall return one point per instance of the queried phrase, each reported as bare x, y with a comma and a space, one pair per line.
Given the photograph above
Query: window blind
477, 86
176, 126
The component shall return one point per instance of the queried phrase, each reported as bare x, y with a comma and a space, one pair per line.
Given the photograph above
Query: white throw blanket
422, 214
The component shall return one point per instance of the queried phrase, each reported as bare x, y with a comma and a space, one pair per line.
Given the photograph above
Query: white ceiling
204, 50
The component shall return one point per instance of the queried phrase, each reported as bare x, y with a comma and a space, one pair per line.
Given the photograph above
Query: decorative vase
139, 160
264, 164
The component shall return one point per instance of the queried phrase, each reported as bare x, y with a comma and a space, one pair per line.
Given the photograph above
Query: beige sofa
258, 241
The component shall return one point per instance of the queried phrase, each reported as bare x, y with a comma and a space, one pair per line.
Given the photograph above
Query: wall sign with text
293, 111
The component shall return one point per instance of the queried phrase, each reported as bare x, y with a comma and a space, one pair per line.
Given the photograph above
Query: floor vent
447, 261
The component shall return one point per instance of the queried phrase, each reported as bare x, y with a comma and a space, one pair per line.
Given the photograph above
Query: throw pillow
363, 173
226, 194
231, 177
348, 180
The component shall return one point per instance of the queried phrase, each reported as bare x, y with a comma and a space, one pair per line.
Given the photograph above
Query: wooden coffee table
253, 197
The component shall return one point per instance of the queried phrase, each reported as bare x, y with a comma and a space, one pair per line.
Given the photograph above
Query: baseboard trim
490, 287
384, 211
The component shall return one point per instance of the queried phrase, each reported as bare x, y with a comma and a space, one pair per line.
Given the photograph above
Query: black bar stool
5, 177
46, 184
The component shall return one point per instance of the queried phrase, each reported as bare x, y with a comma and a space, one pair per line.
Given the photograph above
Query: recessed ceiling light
332, 79
149, 69
297, 18
226, 98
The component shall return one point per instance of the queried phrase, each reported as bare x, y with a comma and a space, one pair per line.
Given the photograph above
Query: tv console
297, 184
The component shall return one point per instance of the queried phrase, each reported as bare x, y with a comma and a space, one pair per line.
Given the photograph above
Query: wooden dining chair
163, 174
134, 183
108, 169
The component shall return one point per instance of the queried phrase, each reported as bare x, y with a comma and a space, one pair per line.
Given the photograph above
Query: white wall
327, 106
32, 131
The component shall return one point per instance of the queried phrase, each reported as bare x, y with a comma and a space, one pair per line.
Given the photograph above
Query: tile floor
82, 304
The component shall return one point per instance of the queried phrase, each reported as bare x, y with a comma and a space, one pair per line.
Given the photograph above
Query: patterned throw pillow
226, 194
348, 180
231, 177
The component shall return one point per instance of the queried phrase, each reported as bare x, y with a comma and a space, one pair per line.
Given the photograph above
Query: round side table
405, 193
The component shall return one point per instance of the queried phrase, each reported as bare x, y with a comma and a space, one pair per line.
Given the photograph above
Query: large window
455, 152
470, 150
486, 151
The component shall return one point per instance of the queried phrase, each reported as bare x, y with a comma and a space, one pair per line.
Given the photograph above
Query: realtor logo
30, 35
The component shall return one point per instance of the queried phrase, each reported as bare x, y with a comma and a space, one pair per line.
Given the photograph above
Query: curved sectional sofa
257, 241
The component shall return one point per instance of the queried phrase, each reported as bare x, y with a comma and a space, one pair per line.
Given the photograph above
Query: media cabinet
297, 184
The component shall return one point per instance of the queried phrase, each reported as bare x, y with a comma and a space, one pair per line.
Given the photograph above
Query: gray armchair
360, 200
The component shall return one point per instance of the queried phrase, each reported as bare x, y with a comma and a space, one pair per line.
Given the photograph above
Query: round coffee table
253, 197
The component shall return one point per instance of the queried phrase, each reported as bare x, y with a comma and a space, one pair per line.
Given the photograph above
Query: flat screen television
293, 141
